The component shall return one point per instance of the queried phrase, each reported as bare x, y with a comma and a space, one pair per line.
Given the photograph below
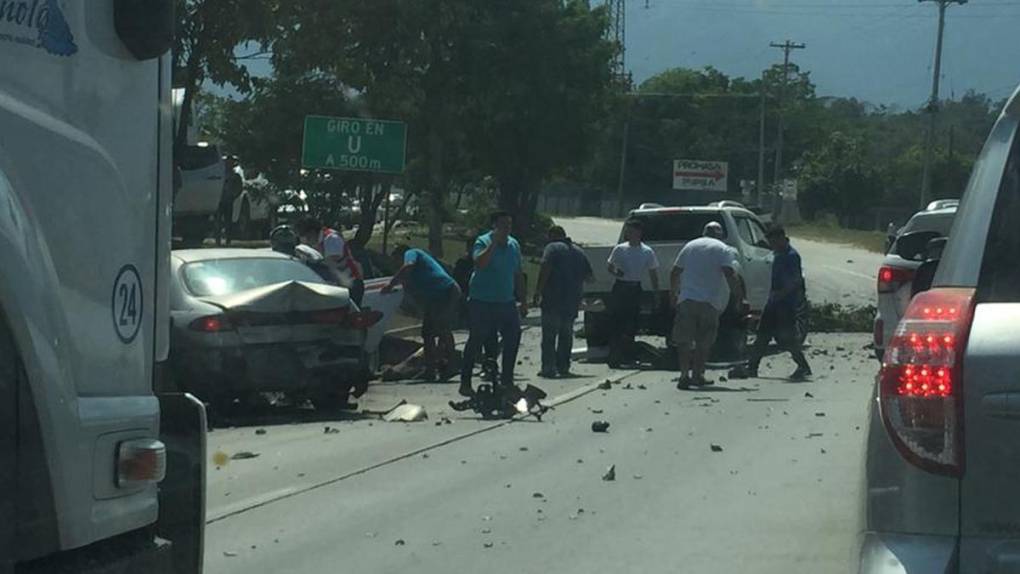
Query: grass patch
873, 241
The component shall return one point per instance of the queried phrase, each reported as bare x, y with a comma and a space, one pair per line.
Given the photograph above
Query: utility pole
933, 101
623, 167
786, 47
759, 186
617, 33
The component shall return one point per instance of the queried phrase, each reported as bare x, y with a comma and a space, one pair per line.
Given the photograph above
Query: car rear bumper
267, 368
889, 553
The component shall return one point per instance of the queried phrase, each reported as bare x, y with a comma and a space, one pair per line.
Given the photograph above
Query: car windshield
676, 226
227, 276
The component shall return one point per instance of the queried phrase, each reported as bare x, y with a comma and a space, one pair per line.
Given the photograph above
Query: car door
755, 259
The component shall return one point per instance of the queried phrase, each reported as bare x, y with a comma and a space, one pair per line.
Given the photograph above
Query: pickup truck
666, 231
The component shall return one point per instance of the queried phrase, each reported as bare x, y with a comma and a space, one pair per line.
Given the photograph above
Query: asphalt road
834, 273
471, 496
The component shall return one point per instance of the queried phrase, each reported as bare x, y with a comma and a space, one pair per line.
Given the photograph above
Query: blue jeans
557, 340
485, 320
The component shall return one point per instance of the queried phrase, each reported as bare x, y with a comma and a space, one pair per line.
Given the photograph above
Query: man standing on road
628, 262
779, 318
496, 284
560, 285
463, 268
232, 188
702, 271
342, 265
439, 297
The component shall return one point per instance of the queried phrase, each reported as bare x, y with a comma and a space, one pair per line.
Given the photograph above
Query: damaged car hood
284, 297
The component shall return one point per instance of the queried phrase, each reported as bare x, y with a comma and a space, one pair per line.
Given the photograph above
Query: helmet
284, 239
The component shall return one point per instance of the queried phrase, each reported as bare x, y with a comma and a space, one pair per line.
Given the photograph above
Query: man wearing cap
703, 270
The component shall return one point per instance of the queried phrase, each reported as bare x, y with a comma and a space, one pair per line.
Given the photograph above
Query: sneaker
683, 383
800, 375
465, 389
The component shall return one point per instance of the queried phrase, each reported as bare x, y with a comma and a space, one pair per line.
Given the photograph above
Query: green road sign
354, 144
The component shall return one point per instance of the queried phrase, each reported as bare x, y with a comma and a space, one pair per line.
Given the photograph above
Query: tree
210, 43
539, 84
838, 178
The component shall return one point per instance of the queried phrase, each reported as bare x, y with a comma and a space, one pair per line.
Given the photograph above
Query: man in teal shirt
437, 294
495, 288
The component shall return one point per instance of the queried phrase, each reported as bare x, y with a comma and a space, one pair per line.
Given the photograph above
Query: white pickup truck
666, 231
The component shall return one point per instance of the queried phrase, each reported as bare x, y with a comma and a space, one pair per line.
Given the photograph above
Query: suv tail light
920, 384
891, 278
211, 324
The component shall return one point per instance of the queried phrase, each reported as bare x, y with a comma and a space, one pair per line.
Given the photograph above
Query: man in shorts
703, 270
439, 297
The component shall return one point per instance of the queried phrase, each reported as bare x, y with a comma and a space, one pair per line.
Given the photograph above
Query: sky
880, 51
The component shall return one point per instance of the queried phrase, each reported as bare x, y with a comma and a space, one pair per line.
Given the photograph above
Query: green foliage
836, 318
838, 178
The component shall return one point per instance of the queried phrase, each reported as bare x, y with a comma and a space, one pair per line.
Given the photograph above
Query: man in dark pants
232, 188
495, 288
463, 268
560, 285
779, 319
437, 294
629, 262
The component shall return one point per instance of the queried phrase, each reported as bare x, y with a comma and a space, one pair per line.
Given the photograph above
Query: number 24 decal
127, 303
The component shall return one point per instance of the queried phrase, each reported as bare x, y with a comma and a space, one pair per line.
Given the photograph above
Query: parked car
666, 231
941, 464
201, 186
895, 275
249, 321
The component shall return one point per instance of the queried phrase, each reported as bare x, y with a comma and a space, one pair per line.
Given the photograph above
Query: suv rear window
675, 226
1000, 275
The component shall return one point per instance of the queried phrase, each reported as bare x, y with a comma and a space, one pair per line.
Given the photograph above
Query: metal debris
605, 385
399, 542
819, 414
243, 455
260, 431
407, 413
330, 430
808, 396
537, 495
716, 448
600, 426
610, 474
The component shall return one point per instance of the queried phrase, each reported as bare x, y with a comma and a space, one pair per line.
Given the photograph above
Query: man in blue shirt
779, 319
496, 285
428, 283
561, 279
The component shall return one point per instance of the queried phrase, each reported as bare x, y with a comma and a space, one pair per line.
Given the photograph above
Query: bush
836, 318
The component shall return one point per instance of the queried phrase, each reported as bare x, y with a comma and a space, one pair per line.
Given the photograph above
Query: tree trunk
394, 217
437, 194
190, 85
371, 199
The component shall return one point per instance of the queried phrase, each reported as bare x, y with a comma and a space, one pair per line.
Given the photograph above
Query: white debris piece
407, 413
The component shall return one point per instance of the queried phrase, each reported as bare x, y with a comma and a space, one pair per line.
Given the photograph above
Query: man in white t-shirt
343, 268
703, 270
629, 262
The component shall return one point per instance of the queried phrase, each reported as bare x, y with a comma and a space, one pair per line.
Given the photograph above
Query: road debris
627, 387
523, 449
716, 448
260, 431
754, 400
642, 387
330, 430
229, 554
638, 477
596, 411
808, 396
487, 544
819, 414
814, 435
407, 413
600, 426
610, 474
220, 458
486, 531
399, 542
244, 455
605, 385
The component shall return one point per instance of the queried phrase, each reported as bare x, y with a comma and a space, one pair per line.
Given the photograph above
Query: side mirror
924, 276
913, 245
145, 26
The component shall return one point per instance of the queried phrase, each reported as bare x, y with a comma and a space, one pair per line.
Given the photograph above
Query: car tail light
364, 319
211, 324
329, 316
140, 462
891, 278
920, 384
